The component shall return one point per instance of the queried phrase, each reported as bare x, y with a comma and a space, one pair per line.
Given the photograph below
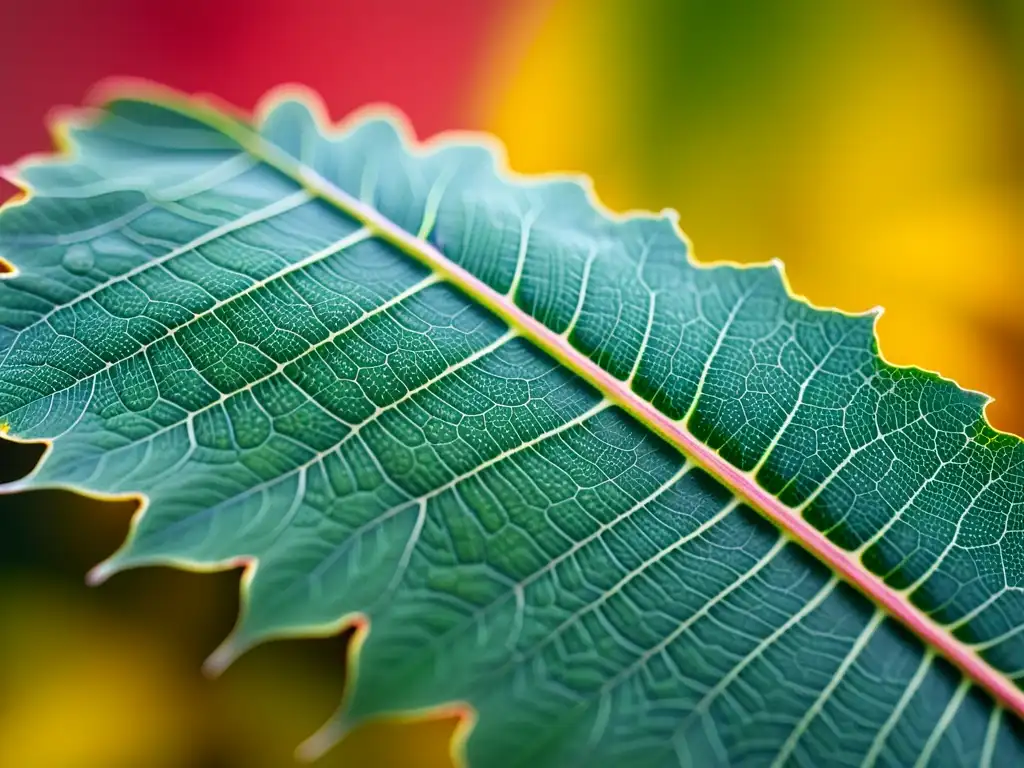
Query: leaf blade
586, 344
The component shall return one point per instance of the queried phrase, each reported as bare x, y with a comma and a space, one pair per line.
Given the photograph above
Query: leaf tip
17, 486
100, 573
317, 745
222, 658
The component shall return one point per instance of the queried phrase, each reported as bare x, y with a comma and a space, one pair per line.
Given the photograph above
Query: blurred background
876, 146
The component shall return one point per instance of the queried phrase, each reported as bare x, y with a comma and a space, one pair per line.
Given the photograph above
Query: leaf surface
630, 509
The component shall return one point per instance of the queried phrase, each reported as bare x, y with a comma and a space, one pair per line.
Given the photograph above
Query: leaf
625, 508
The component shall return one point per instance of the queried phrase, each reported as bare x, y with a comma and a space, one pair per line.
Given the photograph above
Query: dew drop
78, 259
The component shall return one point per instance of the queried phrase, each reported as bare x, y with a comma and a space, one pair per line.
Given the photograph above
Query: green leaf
631, 510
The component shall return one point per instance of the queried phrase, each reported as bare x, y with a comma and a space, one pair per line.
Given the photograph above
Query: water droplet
78, 259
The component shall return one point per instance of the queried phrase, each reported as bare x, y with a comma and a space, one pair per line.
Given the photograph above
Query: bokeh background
876, 146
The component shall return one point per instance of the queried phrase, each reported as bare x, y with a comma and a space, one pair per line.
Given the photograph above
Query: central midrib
846, 565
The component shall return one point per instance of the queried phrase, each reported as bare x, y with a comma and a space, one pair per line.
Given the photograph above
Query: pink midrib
845, 565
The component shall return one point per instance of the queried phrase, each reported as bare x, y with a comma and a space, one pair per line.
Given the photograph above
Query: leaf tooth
15, 486
342, 722
238, 640
122, 560
223, 657
100, 572
329, 735
10, 174
116, 562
